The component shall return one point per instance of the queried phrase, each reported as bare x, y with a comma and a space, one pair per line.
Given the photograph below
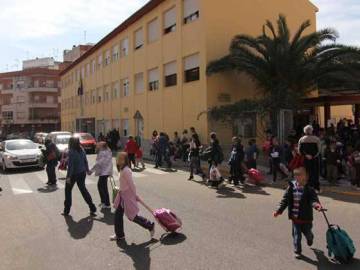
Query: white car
62, 142
20, 154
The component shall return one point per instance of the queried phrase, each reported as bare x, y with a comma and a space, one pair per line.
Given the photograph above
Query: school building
149, 73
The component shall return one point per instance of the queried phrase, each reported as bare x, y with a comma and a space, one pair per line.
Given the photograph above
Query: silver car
20, 154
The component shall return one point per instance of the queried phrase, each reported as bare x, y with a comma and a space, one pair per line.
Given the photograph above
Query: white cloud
44, 18
343, 15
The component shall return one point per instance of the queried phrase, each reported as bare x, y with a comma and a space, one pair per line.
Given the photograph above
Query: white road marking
19, 186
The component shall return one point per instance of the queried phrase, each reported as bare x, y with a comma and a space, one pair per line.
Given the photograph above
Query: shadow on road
79, 229
324, 263
140, 254
227, 192
172, 239
108, 217
254, 190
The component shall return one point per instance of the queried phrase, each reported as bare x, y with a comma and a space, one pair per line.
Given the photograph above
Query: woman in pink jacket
126, 201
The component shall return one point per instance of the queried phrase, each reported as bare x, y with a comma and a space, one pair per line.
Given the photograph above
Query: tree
286, 68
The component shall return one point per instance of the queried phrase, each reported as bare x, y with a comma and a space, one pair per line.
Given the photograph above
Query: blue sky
39, 28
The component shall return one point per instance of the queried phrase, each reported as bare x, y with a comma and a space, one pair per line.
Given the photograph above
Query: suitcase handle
146, 206
112, 182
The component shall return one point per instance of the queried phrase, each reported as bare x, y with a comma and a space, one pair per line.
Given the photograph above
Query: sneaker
297, 255
101, 205
310, 242
152, 231
65, 214
115, 238
104, 206
191, 178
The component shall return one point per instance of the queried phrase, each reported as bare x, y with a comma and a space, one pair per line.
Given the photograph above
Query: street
230, 228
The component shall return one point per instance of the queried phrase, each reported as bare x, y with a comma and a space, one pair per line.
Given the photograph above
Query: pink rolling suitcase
167, 219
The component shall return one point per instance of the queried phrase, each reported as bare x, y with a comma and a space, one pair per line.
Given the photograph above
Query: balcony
43, 104
42, 89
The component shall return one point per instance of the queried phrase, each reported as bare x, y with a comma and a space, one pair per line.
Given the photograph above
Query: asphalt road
230, 228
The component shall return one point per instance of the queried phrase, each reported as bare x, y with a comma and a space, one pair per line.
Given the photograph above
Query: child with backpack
300, 199
236, 161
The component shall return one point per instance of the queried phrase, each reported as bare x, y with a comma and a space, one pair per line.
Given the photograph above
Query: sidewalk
343, 187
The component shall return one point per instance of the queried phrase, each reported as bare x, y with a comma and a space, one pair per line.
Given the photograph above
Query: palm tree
287, 68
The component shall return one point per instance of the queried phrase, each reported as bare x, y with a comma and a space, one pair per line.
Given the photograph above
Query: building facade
150, 72
29, 98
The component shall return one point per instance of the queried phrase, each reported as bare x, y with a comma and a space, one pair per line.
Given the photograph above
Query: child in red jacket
131, 148
139, 158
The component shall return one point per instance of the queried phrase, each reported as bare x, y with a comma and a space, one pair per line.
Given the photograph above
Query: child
139, 158
126, 201
300, 198
251, 154
131, 149
332, 160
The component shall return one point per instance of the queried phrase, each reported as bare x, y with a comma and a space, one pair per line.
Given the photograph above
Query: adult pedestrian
309, 146
51, 158
276, 155
251, 154
153, 140
236, 161
78, 167
163, 151
216, 156
103, 168
184, 145
126, 201
194, 157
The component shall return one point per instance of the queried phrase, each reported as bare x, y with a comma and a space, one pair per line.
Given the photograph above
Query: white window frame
153, 79
153, 30
115, 53
191, 11
139, 39
124, 47
169, 24
125, 87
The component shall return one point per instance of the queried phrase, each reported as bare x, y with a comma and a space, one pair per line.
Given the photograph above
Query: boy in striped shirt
300, 199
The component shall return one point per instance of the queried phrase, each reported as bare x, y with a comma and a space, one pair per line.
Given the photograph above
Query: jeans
79, 179
132, 159
103, 190
332, 173
236, 173
297, 231
50, 171
158, 159
195, 165
119, 222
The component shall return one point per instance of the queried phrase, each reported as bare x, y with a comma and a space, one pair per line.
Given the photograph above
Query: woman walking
76, 173
103, 168
194, 157
126, 201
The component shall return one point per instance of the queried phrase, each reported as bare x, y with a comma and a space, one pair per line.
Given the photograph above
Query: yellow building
150, 72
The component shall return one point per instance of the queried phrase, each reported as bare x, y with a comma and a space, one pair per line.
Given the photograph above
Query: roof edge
152, 4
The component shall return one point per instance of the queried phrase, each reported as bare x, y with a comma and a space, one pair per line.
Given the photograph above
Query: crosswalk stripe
19, 186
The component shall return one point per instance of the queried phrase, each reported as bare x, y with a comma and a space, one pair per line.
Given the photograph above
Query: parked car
87, 141
20, 153
52, 135
39, 137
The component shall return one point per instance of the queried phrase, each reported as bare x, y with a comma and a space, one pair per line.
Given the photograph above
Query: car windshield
20, 145
86, 137
63, 139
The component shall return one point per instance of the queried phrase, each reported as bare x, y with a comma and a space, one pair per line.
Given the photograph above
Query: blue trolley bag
339, 243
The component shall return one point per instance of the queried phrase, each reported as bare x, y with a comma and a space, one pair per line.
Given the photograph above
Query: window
87, 69
139, 39
139, 82
153, 30
153, 79
115, 53
99, 95
50, 83
93, 96
8, 115
192, 70
93, 66
246, 125
170, 74
116, 90
50, 99
107, 58
124, 47
125, 127
106, 94
191, 10
100, 61
82, 72
170, 21
125, 87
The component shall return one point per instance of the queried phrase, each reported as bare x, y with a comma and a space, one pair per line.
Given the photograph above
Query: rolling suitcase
339, 243
165, 217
